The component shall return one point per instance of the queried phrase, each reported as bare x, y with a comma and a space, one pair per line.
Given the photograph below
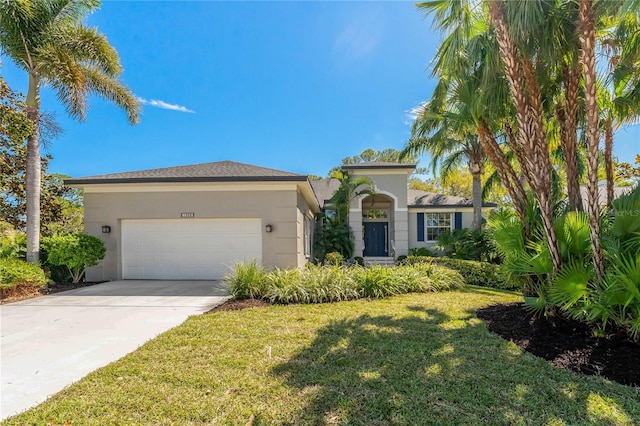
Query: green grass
410, 359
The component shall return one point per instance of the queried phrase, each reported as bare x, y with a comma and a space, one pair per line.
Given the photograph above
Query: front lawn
410, 359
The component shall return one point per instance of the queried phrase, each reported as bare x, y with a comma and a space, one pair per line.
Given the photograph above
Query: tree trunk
475, 168
608, 159
529, 114
507, 174
587, 37
568, 120
33, 172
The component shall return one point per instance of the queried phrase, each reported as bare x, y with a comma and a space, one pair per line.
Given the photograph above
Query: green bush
474, 273
14, 272
334, 258
74, 251
359, 260
467, 244
400, 259
421, 251
321, 284
247, 281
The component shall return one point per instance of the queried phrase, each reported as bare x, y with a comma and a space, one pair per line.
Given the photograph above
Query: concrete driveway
49, 342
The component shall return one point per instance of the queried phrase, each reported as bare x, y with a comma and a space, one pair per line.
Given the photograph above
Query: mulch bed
566, 343
30, 291
238, 305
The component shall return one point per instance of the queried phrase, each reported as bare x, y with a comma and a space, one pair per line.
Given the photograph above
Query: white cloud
164, 105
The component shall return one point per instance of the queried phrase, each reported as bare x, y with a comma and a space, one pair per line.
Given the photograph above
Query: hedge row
474, 273
320, 284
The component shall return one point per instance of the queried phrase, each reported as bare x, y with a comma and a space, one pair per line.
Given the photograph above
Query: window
436, 224
374, 214
307, 236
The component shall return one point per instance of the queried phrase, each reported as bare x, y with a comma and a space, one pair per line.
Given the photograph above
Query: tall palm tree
451, 138
587, 37
47, 39
527, 99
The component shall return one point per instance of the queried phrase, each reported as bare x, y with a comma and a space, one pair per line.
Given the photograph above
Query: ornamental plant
76, 252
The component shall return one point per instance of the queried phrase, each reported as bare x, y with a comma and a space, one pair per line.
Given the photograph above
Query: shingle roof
324, 189
220, 171
378, 165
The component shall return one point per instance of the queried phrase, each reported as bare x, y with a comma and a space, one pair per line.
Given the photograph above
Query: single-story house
193, 222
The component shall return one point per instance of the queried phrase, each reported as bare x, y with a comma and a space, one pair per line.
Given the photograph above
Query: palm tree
47, 39
450, 137
527, 99
587, 37
349, 189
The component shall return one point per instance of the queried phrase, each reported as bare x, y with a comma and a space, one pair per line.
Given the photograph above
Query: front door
375, 238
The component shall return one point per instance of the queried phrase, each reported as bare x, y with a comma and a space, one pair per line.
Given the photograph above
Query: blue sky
295, 86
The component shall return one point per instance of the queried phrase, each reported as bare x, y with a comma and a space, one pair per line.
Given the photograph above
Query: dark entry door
375, 238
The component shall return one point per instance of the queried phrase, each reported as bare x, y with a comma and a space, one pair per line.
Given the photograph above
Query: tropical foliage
50, 42
611, 304
523, 77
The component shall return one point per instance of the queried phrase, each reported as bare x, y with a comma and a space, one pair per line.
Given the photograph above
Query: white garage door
197, 249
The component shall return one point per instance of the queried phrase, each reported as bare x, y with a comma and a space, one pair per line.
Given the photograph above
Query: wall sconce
106, 229
269, 228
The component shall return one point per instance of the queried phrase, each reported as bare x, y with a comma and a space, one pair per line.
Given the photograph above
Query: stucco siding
277, 208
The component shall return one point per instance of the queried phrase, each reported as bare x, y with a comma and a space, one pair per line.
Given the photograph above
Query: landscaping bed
566, 343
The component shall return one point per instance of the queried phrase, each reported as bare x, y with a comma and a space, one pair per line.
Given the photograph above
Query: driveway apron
49, 342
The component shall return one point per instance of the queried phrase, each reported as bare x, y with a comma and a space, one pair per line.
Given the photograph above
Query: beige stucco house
193, 222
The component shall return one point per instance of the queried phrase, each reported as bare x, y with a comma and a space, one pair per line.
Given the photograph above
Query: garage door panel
188, 249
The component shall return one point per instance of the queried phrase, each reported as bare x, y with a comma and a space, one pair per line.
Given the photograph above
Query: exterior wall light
269, 228
106, 229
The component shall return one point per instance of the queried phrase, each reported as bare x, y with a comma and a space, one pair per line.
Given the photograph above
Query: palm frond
112, 90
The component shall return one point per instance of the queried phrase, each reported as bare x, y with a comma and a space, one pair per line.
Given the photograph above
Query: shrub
247, 280
474, 273
74, 251
334, 258
400, 259
421, 251
359, 260
467, 244
14, 272
321, 284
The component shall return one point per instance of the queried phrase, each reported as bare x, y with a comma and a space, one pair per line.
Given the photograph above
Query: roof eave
81, 181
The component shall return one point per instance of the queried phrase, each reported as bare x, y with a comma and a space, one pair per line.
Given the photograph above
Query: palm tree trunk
608, 159
587, 37
475, 168
569, 135
529, 114
33, 172
507, 174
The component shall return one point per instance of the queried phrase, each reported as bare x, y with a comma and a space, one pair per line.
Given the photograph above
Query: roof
378, 165
220, 171
324, 189
418, 198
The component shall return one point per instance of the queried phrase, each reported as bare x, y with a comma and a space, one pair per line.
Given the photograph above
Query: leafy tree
61, 206
628, 175
76, 252
49, 41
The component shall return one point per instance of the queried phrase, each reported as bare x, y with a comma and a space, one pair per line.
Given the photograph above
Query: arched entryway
377, 226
